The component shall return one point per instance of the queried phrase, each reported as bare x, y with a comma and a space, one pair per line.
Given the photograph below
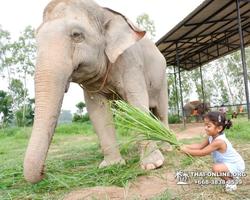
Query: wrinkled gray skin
75, 42
190, 106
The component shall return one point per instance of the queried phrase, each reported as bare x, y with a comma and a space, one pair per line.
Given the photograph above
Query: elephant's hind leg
161, 112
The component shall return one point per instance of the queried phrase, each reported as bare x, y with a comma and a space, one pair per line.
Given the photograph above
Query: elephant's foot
166, 147
151, 159
111, 162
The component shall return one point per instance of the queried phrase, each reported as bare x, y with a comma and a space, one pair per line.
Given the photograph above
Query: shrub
85, 128
174, 119
79, 119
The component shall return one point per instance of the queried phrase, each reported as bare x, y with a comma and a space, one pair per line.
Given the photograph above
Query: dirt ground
144, 187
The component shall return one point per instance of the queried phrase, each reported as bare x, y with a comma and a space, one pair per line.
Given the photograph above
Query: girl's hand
182, 149
181, 145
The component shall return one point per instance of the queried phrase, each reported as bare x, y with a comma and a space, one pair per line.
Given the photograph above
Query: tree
24, 57
232, 65
145, 23
80, 107
4, 49
29, 114
65, 117
6, 58
78, 116
5, 108
30, 110
16, 87
17, 61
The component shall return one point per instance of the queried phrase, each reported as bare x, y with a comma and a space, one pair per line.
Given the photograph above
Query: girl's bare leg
220, 168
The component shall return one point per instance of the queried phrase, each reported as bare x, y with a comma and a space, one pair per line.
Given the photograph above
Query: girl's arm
199, 145
215, 145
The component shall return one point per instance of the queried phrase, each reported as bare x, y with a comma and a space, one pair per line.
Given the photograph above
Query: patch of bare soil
191, 131
144, 187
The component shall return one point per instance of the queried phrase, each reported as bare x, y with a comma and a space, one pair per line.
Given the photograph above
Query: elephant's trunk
51, 78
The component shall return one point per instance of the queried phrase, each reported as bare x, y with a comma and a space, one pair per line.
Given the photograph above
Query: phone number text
218, 182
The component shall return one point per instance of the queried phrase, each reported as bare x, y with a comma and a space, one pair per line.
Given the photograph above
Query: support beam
203, 96
176, 93
179, 69
243, 57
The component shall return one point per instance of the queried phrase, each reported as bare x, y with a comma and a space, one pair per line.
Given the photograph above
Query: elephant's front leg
151, 157
100, 115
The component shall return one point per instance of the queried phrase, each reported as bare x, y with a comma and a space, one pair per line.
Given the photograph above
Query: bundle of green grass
143, 124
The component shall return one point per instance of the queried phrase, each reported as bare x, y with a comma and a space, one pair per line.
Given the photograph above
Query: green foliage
6, 108
80, 119
28, 118
17, 60
240, 131
5, 47
80, 107
145, 23
17, 89
24, 52
75, 128
15, 133
174, 119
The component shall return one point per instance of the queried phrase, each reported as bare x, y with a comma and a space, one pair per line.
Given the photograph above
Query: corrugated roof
206, 34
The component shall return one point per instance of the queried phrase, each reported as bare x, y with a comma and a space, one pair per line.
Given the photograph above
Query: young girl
226, 158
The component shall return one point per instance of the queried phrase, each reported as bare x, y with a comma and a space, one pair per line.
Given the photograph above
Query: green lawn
74, 156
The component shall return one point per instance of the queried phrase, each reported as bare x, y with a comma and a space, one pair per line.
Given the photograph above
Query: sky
15, 15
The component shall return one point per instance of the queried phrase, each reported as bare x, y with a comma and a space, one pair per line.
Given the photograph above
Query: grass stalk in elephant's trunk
144, 126
50, 85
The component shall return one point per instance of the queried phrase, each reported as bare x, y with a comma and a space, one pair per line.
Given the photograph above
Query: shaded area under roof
206, 34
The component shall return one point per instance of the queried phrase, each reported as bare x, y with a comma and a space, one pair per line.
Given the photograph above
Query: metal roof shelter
214, 29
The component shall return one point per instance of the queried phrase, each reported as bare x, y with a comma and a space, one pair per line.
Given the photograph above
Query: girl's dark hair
219, 119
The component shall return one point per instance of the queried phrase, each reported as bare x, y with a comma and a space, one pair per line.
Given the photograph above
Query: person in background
226, 159
195, 111
197, 116
240, 110
223, 109
234, 115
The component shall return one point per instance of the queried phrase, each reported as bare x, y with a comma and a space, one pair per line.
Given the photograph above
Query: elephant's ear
120, 34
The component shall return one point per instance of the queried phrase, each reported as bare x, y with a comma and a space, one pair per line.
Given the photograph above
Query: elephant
108, 56
192, 105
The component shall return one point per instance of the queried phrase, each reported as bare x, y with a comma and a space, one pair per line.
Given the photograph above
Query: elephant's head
203, 108
74, 43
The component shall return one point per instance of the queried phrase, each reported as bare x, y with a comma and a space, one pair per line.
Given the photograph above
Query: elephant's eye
77, 36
